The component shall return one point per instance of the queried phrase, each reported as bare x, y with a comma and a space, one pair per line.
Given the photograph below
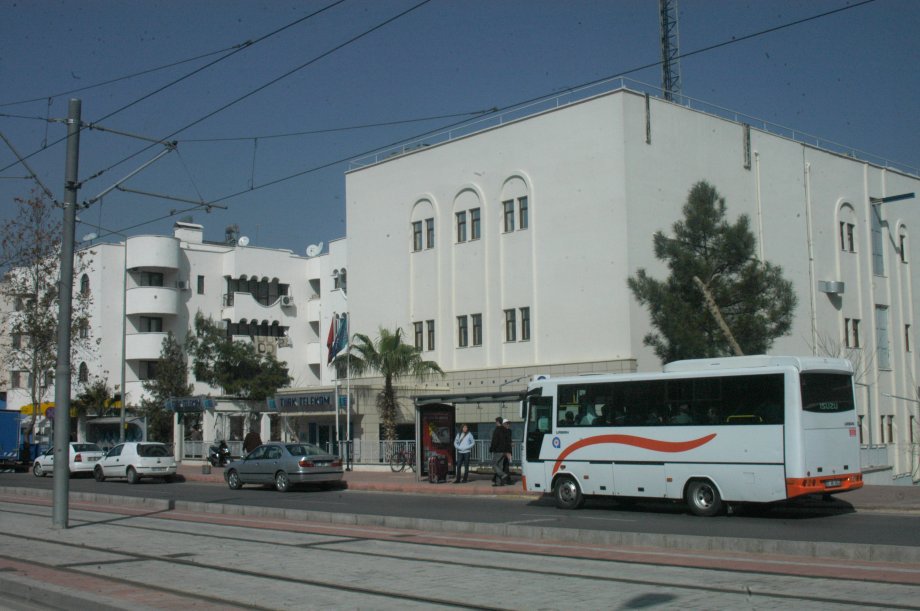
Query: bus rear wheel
703, 498
567, 494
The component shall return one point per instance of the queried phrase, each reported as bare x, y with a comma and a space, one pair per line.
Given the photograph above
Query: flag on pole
341, 336
330, 341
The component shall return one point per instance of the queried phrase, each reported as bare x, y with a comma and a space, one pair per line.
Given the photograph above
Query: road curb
49, 595
805, 549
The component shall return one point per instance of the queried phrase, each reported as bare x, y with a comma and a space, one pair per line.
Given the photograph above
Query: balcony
143, 346
240, 306
152, 300
313, 310
153, 252
314, 353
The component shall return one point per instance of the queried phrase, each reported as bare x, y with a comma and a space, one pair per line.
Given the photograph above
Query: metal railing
198, 450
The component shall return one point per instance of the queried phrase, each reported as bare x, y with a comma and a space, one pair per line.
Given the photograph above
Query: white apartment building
149, 285
505, 252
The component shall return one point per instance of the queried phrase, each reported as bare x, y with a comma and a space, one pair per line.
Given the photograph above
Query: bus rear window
827, 393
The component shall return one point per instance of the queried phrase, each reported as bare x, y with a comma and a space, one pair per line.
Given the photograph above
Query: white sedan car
135, 460
83, 457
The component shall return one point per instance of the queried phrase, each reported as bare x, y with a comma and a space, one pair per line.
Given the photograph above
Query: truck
10, 439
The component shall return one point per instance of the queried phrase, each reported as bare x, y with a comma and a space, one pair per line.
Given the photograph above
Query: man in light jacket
464, 443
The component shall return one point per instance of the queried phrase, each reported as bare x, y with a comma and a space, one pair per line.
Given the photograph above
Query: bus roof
801, 363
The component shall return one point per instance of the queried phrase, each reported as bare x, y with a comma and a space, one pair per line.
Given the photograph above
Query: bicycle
400, 460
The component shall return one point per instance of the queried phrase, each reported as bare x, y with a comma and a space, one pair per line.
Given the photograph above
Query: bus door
539, 424
830, 442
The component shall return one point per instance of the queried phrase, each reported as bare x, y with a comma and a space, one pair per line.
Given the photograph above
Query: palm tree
392, 359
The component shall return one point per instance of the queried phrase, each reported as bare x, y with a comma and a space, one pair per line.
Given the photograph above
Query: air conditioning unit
182, 285
287, 301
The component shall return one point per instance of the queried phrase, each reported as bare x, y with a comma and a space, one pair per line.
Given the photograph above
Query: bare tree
30, 249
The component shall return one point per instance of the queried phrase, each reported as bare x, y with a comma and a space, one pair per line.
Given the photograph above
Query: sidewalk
867, 498
385, 481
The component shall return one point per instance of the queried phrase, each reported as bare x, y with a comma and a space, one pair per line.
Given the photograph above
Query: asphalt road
784, 523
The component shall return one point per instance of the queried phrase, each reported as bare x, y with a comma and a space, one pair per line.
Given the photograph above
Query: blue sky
849, 77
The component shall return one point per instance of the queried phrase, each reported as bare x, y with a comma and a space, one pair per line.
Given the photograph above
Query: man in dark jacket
499, 447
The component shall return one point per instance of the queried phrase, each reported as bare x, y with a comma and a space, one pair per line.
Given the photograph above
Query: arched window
84, 285
902, 243
84, 373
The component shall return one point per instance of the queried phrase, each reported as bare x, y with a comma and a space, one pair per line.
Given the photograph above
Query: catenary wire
240, 47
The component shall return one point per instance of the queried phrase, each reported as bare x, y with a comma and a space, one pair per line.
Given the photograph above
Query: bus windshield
827, 392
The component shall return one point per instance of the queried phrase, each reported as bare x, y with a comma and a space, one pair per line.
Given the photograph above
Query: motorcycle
219, 455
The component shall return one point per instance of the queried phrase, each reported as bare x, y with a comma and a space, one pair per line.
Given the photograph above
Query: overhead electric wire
275, 80
125, 77
243, 46
338, 129
497, 110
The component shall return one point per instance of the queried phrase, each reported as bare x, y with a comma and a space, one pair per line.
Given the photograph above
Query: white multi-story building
148, 286
506, 252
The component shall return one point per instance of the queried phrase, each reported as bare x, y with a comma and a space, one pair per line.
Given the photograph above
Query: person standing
464, 443
499, 446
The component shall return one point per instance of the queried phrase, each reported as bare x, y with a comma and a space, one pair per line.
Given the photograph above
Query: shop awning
28, 410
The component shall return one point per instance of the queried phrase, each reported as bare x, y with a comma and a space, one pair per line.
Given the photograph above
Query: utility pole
670, 54
65, 301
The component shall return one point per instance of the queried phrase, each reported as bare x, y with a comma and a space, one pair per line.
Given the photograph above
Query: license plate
832, 483
92, 459
321, 464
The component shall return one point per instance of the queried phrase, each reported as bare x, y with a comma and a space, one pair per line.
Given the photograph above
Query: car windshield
305, 449
151, 450
86, 447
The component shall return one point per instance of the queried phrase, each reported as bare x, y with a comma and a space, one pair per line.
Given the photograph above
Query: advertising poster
437, 431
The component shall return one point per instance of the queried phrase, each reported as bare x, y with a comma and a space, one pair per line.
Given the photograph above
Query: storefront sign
313, 402
187, 405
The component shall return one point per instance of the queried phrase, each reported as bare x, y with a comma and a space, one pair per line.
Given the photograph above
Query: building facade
505, 253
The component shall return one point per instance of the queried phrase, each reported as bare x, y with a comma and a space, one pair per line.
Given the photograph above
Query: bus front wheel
567, 493
703, 498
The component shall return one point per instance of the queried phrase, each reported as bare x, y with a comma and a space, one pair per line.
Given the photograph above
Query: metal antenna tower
670, 55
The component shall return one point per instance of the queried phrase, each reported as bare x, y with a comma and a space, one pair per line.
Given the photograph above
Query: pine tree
170, 380
751, 296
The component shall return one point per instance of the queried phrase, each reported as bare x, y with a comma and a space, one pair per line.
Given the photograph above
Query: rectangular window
907, 338
902, 247
510, 324
860, 418
15, 379
462, 333
201, 285
418, 335
890, 429
151, 324
522, 213
429, 232
475, 225
416, 236
151, 279
477, 329
846, 237
508, 207
461, 226
878, 244
149, 370
16, 340
913, 423
883, 349
851, 332
525, 324
84, 329
430, 325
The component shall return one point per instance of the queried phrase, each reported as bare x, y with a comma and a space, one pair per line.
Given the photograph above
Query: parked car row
282, 465
132, 460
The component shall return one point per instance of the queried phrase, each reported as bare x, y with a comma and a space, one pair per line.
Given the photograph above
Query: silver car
284, 465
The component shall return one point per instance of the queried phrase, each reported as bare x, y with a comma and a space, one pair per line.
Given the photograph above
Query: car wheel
234, 481
37, 470
282, 481
169, 479
567, 493
132, 476
703, 498
97, 473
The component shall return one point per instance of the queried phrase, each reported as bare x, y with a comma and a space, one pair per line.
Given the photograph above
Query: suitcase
437, 469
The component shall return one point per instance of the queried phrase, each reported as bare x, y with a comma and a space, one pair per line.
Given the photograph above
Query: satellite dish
314, 249
243, 241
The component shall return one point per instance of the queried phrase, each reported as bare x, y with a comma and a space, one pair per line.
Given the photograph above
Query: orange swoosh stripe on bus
655, 445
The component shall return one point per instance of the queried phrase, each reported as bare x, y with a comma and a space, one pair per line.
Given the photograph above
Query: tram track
383, 547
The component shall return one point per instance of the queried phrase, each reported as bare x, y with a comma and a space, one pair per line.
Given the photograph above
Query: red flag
330, 341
